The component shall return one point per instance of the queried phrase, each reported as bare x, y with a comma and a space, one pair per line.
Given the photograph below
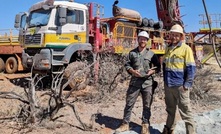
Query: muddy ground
104, 115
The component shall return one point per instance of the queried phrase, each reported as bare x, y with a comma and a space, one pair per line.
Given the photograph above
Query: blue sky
147, 8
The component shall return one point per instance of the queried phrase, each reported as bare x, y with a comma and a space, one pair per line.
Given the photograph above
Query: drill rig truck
57, 33
168, 12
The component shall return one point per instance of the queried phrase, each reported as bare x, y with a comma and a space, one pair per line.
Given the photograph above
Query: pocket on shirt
147, 61
177, 58
136, 61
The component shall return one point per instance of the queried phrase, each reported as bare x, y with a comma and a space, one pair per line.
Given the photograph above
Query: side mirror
17, 21
62, 13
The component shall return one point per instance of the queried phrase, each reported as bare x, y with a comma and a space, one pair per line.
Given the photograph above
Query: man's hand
183, 89
135, 73
150, 72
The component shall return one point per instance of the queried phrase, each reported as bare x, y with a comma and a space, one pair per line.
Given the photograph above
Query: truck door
74, 30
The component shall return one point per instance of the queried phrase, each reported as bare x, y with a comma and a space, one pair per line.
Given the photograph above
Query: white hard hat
176, 28
144, 34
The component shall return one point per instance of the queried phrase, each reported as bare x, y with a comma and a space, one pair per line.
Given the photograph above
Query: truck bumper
40, 61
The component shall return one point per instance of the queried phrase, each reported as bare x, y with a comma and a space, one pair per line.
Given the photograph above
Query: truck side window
75, 16
23, 21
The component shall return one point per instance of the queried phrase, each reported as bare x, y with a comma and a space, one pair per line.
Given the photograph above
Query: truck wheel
2, 65
11, 65
78, 75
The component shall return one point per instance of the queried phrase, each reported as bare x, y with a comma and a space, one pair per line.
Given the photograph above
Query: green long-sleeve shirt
142, 62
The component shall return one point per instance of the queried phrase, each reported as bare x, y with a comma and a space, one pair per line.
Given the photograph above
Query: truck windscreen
39, 18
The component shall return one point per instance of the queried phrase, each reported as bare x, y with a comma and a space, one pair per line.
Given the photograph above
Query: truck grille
33, 39
32, 52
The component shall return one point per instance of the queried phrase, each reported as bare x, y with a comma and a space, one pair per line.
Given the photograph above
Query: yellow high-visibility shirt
179, 66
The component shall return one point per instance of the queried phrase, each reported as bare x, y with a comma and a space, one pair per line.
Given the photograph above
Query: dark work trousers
132, 94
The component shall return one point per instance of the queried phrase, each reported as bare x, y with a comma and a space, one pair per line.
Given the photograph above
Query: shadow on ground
114, 123
40, 84
21, 82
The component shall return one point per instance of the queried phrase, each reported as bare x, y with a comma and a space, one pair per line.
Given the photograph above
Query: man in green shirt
139, 63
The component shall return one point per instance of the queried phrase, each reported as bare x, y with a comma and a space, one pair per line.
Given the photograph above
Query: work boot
166, 130
145, 128
190, 128
123, 127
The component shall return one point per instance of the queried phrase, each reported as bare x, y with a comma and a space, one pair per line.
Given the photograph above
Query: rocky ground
105, 115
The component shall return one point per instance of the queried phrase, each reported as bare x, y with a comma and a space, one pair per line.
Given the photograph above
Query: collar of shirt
137, 50
171, 46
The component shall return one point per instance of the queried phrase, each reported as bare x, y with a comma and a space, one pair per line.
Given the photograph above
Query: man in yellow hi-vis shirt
179, 69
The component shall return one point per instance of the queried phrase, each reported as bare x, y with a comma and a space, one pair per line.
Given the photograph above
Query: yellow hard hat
176, 28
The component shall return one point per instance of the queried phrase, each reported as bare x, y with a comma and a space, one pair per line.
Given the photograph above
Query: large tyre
78, 75
2, 65
11, 65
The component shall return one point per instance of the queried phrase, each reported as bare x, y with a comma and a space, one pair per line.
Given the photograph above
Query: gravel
206, 123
